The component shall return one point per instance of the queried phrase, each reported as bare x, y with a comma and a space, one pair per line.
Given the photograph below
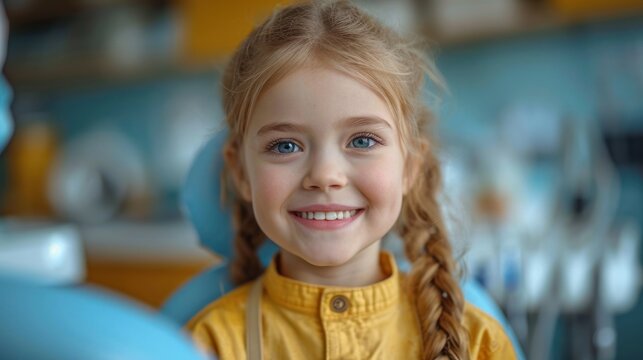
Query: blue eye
362, 142
285, 147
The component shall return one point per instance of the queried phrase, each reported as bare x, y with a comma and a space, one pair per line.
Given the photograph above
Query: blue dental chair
49, 322
201, 204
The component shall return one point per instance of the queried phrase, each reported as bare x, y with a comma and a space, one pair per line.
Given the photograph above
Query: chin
328, 258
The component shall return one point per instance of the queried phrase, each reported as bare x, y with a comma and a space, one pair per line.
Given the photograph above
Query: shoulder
229, 305
220, 326
487, 338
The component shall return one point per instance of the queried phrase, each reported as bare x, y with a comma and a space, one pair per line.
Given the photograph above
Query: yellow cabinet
214, 28
580, 9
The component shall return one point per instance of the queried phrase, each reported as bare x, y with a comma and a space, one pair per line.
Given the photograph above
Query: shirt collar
311, 298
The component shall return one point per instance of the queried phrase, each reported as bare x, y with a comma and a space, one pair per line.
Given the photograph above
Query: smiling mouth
326, 215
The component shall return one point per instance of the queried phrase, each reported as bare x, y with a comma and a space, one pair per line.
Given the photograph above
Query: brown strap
253, 322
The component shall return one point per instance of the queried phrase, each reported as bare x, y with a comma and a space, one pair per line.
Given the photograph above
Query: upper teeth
326, 215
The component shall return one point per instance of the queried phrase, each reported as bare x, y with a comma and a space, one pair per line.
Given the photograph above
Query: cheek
383, 182
270, 186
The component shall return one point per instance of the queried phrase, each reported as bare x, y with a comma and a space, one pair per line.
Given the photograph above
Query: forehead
318, 95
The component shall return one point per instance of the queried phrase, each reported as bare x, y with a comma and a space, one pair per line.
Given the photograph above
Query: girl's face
323, 166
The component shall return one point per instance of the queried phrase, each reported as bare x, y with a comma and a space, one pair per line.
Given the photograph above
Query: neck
361, 270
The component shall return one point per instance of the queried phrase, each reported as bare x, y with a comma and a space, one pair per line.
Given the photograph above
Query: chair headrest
201, 200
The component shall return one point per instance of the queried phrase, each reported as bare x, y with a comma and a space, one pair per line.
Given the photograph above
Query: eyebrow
353, 121
280, 127
370, 120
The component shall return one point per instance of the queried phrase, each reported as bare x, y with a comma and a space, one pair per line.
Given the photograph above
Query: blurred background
541, 134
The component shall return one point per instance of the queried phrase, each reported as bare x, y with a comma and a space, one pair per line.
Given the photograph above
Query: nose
325, 173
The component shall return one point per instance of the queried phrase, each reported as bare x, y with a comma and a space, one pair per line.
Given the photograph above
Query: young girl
328, 151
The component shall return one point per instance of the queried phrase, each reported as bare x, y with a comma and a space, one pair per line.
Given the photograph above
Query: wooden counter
147, 262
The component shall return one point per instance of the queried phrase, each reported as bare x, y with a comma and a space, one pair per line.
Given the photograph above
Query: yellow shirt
305, 321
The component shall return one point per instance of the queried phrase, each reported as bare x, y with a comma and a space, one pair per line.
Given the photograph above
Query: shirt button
339, 303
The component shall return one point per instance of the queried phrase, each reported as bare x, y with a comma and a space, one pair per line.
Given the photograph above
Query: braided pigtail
432, 279
246, 265
248, 237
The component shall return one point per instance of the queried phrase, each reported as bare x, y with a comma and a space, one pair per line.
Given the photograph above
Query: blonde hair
340, 35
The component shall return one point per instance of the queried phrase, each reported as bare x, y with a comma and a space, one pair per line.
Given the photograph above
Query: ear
233, 157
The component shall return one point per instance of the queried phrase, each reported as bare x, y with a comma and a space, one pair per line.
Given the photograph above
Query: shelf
42, 12
84, 72
530, 23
